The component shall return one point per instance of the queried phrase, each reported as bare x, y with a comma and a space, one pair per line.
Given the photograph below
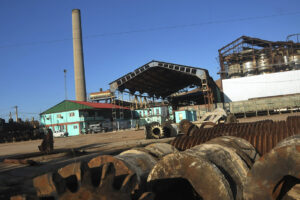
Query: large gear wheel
99, 183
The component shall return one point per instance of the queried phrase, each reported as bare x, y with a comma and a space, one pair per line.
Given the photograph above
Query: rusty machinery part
187, 127
240, 146
138, 160
276, 174
157, 150
169, 129
21, 161
148, 129
47, 143
207, 125
233, 167
188, 176
129, 162
24, 197
295, 139
95, 183
263, 135
155, 132
231, 118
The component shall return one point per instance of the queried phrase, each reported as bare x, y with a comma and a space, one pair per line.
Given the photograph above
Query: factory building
160, 87
75, 117
260, 75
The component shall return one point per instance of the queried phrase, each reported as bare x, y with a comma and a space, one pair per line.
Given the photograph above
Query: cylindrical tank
295, 61
263, 64
234, 70
249, 68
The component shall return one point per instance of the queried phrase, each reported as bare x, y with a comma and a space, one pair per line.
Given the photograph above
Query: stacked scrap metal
104, 177
229, 168
263, 135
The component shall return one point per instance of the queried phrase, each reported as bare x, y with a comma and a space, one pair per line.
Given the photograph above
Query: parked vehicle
99, 127
60, 134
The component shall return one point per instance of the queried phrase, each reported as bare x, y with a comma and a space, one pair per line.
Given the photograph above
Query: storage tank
295, 60
249, 68
234, 70
101, 95
263, 64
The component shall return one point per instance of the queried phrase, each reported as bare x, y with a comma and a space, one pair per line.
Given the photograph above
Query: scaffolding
248, 56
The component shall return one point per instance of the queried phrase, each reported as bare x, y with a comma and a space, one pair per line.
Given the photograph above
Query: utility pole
17, 119
65, 75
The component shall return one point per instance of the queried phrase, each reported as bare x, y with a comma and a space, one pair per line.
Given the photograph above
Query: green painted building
75, 117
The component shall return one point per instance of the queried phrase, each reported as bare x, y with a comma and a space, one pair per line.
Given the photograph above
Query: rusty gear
95, 183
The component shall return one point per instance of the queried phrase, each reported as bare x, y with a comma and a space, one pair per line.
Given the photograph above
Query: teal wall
185, 114
154, 114
75, 121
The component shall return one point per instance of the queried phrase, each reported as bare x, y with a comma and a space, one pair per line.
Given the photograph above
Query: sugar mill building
260, 75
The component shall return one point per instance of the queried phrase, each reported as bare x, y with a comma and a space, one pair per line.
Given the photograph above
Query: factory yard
82, 142
90, 142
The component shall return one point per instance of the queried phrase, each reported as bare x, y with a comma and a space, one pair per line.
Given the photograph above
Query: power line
153, 29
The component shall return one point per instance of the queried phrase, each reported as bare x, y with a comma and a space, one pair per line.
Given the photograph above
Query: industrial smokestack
80, 89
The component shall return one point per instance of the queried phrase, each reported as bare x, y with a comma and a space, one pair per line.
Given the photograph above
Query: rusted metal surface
275, 174
263, 135
137, 162
207, 125
159, 150
47, 143
187, 127
95, 183
21, 161
205, 177
230, 164
226, 159
169, 129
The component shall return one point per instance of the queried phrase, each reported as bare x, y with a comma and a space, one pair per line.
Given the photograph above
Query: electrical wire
153, 29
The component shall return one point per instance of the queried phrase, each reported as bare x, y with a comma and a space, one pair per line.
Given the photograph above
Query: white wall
281, 83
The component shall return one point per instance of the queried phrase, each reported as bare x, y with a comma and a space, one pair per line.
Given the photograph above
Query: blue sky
36, 40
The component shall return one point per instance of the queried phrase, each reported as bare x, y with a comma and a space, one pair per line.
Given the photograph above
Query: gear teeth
59, 182
86, 175
129, 183
147, 196
108, 175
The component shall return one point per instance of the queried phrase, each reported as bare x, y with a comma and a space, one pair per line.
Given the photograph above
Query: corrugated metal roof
68, 105
99, 105
160, 79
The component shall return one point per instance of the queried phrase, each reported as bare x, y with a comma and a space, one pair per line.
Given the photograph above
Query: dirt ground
81, 142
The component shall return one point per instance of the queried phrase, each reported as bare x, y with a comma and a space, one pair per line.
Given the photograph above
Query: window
75, 127
180, 116
72, 114
157, 111
59, 116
